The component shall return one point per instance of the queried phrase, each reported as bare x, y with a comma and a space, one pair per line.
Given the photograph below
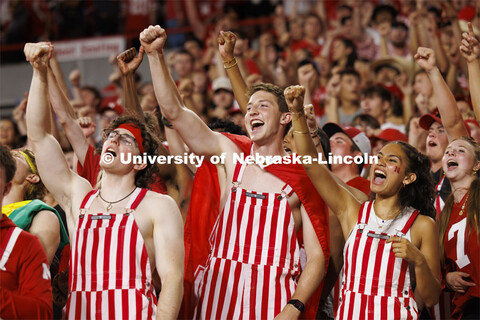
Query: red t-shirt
360, 184
25, 289
463, 252
252, 67
91, 168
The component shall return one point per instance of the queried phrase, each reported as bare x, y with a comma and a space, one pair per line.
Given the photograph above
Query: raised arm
446, 104
57, 71
341, 201
198, 27
169, 256
470, 50
75, 77
52, 166
414, 41
441, 56
226, 44
308, 78
66, 116
195, 133
128, 63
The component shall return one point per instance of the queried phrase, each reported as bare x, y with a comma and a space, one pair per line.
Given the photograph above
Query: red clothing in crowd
462, 253
303, 44
360, 184
25, 289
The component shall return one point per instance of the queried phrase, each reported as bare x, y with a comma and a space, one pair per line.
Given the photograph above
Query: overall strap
87, 201
238, 173
287, 191
8, 244
136, 198
439, 185
410, 221
364, 212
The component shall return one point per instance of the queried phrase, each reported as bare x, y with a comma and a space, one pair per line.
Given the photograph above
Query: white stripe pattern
9, 247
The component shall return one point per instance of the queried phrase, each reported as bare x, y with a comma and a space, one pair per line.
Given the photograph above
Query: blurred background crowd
355, 58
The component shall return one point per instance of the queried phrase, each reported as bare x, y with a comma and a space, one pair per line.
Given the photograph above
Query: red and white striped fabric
376, 284
254, 264
110, 275
443, 309
439, 203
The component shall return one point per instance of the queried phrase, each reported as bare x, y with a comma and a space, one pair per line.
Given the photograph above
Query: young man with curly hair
123, 232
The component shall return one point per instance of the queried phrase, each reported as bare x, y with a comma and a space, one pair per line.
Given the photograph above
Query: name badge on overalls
378, 235
254, 195
101, 217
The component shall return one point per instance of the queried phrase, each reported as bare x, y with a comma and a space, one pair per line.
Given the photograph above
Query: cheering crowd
86, 235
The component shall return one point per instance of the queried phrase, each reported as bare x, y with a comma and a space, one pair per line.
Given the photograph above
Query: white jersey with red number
254, 264
110, 275
376, 284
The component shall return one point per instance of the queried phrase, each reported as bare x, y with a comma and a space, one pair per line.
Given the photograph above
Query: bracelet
297, 304
301, 132
299, 113
229, 61
226, 65
167, 123
314, 134
233, 65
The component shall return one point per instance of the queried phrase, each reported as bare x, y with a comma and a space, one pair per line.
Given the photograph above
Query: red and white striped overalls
376, 284
254, 264
110, 275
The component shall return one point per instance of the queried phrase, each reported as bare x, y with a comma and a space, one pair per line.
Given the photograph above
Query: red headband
135, 130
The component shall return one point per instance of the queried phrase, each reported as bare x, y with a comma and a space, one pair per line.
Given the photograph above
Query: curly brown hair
146, 176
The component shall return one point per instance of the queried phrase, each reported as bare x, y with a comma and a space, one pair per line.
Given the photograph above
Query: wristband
297, 304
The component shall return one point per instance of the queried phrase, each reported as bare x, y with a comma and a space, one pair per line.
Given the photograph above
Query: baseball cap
427, 119
222, 83
358, 137
391, 134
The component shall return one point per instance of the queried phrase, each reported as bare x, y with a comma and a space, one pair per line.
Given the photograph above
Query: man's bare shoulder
160, 206
46, 218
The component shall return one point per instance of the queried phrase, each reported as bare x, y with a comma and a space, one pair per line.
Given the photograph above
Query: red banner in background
93, 48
